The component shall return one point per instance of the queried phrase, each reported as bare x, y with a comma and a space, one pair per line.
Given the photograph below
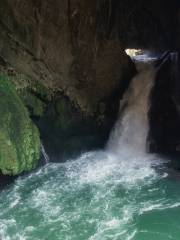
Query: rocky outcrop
141, 24
72, 77
72, 47
58, 45
19, 138
164, 114
69, 66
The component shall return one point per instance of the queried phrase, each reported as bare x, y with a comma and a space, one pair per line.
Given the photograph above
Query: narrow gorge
90, 120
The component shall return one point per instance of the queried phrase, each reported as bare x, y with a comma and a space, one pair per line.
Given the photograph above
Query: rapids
120, 193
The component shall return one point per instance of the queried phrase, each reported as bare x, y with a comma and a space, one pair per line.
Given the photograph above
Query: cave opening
74, 61
90, 119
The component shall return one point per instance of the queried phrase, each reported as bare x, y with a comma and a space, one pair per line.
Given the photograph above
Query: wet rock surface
164, 111
19, 137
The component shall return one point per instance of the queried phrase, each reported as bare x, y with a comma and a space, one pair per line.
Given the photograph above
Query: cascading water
131, 129
121, 193
44, 154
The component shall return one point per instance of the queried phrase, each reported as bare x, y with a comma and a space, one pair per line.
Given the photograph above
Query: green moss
33, 94
44, 92
19, 138
24, 84
35, 104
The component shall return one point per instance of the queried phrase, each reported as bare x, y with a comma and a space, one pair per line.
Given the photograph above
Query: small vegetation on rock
19, 137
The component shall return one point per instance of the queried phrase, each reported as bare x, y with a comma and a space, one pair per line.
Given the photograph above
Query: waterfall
44, 154
119, 193
131, 129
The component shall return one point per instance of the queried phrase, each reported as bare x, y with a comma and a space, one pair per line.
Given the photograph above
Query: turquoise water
121, 193
96, 197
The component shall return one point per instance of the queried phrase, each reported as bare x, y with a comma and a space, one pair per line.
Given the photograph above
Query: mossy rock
19, 137
34, 104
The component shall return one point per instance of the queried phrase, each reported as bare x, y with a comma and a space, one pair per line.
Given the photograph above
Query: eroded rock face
164, 136
179, 28
72, 47
57, 46
71, 53
56, 42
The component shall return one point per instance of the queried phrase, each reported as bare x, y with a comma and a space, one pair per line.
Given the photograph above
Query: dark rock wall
164, 114
56, 43
72, 53
141, 24
72, 46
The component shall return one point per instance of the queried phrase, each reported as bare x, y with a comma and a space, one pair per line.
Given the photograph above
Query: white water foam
44, 154
99, 190
131, 130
